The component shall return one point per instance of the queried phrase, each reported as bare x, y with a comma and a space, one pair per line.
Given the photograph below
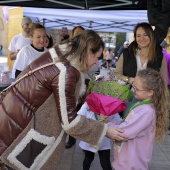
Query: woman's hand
116, 134
128, 79
131, 80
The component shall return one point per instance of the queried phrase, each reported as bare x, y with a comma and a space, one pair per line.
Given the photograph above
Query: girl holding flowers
144, 122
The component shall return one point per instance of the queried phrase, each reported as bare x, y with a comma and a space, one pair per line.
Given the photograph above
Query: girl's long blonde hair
153, 80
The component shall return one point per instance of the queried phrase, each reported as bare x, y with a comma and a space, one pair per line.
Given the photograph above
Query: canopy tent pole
62, 3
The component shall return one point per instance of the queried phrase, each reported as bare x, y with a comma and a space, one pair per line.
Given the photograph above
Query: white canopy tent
98, 20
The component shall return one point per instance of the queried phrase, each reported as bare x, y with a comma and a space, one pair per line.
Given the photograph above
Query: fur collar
80, 89
81, 84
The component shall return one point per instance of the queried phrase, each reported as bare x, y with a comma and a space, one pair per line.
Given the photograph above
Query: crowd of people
43, 104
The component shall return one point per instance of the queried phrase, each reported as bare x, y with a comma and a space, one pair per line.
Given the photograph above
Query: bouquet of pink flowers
101, 104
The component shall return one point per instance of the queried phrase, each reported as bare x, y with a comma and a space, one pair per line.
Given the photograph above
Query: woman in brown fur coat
39, 110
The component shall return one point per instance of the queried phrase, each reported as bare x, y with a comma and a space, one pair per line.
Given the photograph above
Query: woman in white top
32, 51
142, 53
109, 57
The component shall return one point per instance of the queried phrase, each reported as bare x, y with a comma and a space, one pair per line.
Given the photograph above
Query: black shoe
70, 142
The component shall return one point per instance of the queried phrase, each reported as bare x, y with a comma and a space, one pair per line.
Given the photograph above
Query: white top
17, 42
105, 144
139, 65
109, 56
25, 56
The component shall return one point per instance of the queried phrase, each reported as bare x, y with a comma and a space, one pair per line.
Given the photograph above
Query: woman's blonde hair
153, 48
153, 80
35, 26
81, 45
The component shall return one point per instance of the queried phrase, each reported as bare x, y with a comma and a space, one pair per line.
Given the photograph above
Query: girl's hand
103, 118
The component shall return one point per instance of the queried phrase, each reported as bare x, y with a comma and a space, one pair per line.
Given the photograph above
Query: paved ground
160, 160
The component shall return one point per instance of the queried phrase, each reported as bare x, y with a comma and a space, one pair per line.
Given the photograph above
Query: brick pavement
160, 158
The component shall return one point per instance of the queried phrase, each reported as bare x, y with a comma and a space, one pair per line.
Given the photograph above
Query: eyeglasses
136, 89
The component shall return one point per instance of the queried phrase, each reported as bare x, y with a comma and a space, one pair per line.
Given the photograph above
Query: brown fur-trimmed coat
42, 108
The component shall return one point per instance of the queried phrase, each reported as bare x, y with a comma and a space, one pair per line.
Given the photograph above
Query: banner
168, 41
14, 28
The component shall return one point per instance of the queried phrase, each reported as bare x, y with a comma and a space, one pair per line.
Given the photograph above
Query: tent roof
103, 21
80, 4
99, 15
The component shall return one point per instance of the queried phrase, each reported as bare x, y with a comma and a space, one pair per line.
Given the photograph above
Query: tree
120, 38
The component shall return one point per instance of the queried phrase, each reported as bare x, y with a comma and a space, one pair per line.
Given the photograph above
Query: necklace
143, 53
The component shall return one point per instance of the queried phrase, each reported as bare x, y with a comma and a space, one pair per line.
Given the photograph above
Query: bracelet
129, 80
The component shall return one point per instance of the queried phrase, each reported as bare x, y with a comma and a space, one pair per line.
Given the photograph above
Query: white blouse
139, 64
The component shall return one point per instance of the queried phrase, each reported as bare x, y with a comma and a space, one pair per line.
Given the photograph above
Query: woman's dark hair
152, 49
72, 32
50, 39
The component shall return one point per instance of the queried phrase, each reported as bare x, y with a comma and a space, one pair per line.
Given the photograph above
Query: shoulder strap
32, 71
28, 74
132, 106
